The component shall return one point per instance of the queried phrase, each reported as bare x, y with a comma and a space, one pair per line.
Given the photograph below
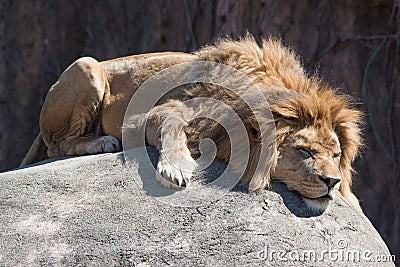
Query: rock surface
88, 211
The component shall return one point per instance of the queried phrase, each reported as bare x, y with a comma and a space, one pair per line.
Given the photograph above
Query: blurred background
354, 45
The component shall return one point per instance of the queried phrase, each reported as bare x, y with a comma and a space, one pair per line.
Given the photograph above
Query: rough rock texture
88, 211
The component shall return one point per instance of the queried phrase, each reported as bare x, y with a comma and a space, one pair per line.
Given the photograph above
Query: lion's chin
319, 204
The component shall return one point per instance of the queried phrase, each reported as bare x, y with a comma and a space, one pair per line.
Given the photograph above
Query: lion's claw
174, 175
103, 144
109, 144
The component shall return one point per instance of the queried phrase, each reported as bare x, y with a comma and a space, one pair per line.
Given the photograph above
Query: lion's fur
297, 100
309, 102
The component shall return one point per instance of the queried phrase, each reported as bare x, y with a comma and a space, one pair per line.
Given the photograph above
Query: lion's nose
330, 181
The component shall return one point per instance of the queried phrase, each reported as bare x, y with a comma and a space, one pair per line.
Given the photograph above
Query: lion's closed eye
305, 153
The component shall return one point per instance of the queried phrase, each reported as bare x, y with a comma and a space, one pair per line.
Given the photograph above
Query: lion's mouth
327, 196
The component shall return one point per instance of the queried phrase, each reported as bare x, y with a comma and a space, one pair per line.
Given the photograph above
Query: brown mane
296, 99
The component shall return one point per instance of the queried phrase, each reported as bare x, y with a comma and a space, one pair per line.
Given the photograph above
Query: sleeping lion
317, 130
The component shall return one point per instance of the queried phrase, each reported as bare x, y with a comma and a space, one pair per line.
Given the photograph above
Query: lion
318, 132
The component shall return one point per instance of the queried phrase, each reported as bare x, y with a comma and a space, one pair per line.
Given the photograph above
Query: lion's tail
36, 153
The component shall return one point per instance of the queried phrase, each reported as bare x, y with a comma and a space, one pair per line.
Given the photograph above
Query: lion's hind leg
69, 120
166, 130
84, 145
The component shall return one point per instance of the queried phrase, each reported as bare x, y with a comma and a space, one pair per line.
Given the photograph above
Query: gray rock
89, 211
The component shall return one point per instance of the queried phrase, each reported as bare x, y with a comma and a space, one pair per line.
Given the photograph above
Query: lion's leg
69, 119
84, 145
166, 131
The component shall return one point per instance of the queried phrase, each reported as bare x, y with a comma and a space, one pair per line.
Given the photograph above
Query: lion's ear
286, 119
283, 103
285, 111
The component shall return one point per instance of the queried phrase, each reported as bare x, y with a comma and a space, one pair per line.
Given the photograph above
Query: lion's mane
297, 100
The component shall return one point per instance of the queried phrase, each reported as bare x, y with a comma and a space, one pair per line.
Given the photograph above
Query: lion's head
309, 164
318, 138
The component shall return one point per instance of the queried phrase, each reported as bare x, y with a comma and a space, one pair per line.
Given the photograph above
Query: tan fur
308, 115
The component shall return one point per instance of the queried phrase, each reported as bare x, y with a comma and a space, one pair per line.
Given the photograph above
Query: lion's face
309, 164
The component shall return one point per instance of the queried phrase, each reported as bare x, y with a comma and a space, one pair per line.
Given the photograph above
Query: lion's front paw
175, 174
